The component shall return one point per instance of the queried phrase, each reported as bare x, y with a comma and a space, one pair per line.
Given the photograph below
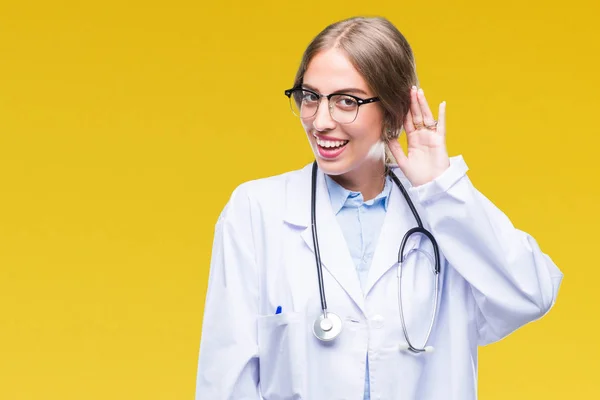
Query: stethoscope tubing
418, 229
316, 241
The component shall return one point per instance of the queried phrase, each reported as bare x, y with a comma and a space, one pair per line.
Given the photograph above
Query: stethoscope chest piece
329, 328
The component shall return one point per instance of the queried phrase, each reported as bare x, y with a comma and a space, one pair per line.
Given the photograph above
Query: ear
394, 134
389, 157
392, 129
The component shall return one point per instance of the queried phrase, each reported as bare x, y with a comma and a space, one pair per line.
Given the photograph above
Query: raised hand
426, 138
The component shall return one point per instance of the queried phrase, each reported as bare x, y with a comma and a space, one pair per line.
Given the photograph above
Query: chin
338, 166
333, 167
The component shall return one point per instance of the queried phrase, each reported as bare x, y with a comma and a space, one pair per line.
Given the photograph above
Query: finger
397, 152
428, 119
408, 123
441, 126
415, 109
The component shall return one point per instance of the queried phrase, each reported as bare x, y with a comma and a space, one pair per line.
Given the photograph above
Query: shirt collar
340, 196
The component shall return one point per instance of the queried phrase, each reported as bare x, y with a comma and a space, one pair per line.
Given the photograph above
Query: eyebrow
340, 91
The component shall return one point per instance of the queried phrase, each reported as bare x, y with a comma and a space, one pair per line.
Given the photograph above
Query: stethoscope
328, 325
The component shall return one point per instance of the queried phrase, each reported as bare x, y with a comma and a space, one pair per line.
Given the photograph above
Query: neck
368, 179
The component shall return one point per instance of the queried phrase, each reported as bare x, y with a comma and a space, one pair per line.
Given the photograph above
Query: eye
308, 97
346, 103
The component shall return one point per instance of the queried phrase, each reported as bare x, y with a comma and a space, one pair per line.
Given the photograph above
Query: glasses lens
304, 103
343, 109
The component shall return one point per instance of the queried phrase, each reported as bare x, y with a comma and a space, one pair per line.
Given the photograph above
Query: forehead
331, 70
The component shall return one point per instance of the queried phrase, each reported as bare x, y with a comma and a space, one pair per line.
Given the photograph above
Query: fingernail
414, 88
421, 91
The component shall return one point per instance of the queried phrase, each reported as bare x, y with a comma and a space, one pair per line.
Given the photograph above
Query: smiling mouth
330, 144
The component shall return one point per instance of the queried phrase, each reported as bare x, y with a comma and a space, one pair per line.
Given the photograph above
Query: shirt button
377, 321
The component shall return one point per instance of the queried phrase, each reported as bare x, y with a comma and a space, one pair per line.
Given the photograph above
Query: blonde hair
382, 55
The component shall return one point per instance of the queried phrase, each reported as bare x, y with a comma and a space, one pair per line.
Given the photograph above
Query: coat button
377, 321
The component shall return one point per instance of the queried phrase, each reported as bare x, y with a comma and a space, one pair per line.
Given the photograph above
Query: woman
272, 330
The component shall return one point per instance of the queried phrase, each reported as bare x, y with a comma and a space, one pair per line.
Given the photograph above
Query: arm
228, 362
512, 280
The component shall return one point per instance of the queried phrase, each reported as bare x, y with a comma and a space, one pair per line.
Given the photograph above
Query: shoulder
268, 193
270, 189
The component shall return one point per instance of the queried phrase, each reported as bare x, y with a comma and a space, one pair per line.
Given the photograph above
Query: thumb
397, 152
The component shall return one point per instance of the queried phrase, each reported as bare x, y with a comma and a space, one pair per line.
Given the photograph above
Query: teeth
330, 143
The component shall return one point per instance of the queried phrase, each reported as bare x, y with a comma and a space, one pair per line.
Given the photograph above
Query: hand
427, 155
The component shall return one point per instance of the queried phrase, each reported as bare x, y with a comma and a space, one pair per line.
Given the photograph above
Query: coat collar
297, 197
297, 207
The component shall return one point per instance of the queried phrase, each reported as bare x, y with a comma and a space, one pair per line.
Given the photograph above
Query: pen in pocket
278, 311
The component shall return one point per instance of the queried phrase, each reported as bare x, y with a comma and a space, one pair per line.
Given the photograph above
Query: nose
323, 120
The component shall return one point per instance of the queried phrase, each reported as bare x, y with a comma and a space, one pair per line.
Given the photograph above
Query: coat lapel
398, 220
335, 256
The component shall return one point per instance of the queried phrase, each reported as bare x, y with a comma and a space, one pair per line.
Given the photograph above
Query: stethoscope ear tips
405, 347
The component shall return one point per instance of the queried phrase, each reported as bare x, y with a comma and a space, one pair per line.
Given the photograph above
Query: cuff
440, 185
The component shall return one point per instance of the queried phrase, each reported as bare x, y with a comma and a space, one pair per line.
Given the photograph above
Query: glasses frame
359, 101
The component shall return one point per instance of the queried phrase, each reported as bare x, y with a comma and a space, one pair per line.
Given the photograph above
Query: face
341, 149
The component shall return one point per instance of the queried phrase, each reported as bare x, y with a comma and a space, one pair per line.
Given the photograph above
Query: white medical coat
494, 279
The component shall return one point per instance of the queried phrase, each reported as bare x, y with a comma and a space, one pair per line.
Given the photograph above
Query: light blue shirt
361, 223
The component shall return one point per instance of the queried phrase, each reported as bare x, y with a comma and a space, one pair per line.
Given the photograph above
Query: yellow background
124, 127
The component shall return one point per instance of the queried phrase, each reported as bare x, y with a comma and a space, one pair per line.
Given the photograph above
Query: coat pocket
282, 348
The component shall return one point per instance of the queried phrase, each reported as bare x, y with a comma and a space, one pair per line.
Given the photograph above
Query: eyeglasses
343, 108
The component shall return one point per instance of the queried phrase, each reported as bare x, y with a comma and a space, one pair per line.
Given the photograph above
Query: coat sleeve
228, 365
513, 282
